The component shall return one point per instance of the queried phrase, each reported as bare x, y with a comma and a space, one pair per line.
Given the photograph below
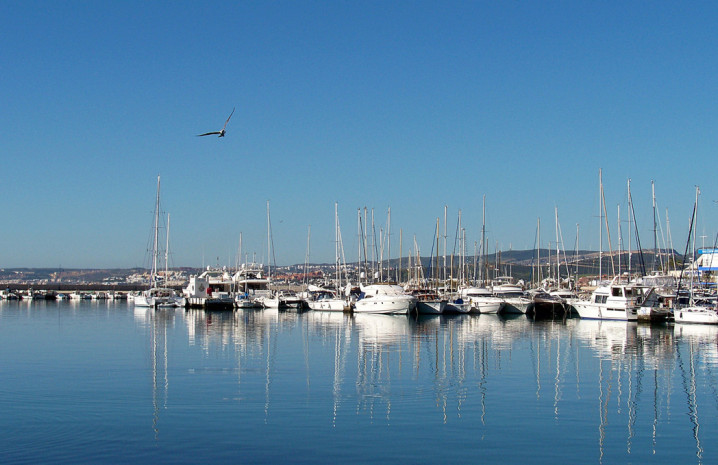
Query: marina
88, 380
366, 262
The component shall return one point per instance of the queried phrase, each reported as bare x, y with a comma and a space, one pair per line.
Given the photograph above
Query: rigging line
685, 253
638, 238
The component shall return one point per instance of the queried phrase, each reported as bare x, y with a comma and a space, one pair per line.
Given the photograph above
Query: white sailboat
478, 297
481, 300
325, 299
424, 290
157, 296
695, 312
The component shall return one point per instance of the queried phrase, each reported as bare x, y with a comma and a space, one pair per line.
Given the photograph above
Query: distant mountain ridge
518, 263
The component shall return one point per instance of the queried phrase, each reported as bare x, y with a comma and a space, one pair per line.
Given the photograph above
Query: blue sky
409, 105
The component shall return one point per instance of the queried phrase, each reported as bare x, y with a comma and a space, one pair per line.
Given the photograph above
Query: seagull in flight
219, 133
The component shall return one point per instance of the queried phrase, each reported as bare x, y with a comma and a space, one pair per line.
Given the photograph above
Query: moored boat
696, 314
546, 305
655, 307
210, 289
428, 302
251, 286
515, 300
326, 300
386, 298
7, 294
615, 301
481, 300
157, 296
456, 304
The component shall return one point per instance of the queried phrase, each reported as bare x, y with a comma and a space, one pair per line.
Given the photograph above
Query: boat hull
430, 307
212, 303
329, 305
516, 305
654, 315
488, 305
549, 308
696, 315
457, 307
385, 298
385, 306
245, 303
593, 311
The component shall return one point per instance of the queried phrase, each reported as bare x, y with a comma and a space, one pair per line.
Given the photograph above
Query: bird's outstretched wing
209, 133
230, 115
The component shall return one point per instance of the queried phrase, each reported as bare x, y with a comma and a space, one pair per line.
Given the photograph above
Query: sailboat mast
538, 251
401, 252
620, 240
388, 244
167, 249
444, 270
672, 258
577, 228
382, 239
365, 234
695, 225
600, 225
374, 251
655, 234
482, 258
558, 252
239, 255
461, 253
238, 264
608, 230
269, 245
464, 270
306, 257
630, 226
155, 243
694, 220
336, 243
359, 244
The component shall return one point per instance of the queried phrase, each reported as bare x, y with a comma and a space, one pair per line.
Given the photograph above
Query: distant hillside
521, 263
517, 263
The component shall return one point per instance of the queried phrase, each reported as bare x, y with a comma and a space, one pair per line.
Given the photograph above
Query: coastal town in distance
518, 264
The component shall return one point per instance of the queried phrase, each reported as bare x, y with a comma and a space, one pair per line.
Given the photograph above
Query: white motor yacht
515, 300
481, 300
251, 286
211, 289
615, 301
326, 300
384, 298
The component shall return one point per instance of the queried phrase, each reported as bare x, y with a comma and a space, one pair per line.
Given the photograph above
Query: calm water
108, 383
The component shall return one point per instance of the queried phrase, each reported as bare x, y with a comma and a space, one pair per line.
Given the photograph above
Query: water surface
93, 382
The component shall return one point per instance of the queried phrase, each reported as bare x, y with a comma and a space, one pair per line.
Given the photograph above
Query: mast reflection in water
105, 382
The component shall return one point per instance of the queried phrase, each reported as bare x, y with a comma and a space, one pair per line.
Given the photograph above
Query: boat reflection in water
157, 321
626, 389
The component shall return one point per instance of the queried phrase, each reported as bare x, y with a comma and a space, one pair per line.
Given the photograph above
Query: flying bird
219, 133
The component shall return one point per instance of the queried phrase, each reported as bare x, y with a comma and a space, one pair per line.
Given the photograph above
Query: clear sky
411, 105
